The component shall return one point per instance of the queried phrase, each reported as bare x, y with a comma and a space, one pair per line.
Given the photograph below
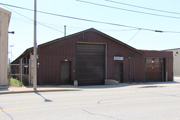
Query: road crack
100, 115
169, 95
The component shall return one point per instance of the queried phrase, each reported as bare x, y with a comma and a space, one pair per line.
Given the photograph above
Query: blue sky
23, 27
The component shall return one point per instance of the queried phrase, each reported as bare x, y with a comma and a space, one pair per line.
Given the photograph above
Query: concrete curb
72, 88
31, 91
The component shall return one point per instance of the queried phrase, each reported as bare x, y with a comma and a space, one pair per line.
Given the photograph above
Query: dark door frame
69, 82
122, 74
105, 56
119, 71
106, 49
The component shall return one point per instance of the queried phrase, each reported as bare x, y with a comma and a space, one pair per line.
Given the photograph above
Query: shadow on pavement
11, 118
50, 88
3, 88
45, 99
111, 86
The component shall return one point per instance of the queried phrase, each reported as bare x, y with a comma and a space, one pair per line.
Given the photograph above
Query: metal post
29, 72
11, 54
130, 68
21, 71
9, 73
64, 30
35, 51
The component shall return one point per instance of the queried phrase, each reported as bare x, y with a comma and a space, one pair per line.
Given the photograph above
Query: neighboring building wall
176, 62
4, 23
176, 56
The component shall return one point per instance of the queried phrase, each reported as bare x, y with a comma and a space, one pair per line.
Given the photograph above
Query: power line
107, 6
72, 17
142, 7
73, 27
117, 30
33, 20
133, 36
87, 20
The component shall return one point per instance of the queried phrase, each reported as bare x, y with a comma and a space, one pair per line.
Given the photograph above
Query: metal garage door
154, 69
90, 64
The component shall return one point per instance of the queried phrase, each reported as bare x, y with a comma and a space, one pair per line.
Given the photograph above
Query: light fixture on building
12, 32
38, 65
152, 61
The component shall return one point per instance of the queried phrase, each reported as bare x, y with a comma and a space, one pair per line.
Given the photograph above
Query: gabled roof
25, 52
174, 49
91, 30
155, 50
69, 36
118, 41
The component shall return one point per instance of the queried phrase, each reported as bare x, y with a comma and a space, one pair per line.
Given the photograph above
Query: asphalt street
142, 103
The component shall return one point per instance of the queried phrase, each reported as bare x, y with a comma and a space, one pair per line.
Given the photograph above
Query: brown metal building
91, 57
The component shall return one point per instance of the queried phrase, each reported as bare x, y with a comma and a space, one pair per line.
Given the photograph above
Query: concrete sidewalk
10, 90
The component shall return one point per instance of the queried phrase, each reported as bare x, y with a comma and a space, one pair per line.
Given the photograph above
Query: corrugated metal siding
169, 68
137, 69
50, 57
161, 54
51, 54
114, 49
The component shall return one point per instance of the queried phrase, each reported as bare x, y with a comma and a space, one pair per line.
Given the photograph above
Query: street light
12, 32
11, 51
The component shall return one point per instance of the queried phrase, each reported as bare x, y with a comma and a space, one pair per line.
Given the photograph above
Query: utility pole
35, 51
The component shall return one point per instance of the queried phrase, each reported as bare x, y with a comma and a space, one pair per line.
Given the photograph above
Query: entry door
65, 73
118, 72
154, 69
